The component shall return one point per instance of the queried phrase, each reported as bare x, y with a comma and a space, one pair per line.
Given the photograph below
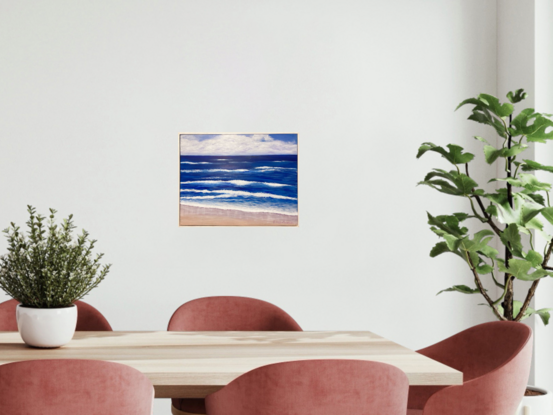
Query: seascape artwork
238, 179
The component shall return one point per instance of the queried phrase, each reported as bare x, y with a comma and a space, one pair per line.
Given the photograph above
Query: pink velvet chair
73, 387
88, 318
225, 314
495, 360
314, 387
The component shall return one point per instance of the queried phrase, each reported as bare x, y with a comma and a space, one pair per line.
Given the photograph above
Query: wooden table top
195, 364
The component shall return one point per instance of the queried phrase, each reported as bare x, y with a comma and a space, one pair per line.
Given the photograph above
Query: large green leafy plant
512, 213
48, 268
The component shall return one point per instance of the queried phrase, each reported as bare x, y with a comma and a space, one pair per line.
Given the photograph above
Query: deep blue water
249, 183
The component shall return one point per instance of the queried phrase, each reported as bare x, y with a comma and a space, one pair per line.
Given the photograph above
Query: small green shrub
47, 268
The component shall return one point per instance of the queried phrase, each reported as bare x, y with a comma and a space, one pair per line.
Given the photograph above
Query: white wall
525, 60
544, 155
95, 93
516, 69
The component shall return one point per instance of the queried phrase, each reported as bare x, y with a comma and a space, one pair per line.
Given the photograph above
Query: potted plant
47, 270
511, 214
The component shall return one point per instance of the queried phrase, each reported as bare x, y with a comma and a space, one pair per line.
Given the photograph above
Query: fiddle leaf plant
47, 267
512, 213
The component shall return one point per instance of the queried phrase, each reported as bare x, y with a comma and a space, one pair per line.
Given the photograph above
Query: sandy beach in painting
200, 216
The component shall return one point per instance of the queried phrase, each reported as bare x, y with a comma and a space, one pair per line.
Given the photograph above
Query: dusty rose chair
314, 387
225, 314
72, 387
495, 360
89, 319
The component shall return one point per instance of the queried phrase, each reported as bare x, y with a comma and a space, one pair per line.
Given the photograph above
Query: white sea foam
202, 197
243, 208
269, 168
235, 182
233, 193
190, 162
214, 170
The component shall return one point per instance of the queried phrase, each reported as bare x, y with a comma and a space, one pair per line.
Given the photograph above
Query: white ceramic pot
46, 327
536, 405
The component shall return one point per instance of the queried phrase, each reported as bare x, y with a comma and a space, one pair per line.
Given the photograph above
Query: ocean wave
243, 208
213, 170
235, 182
232, 193
190, 162
269, 168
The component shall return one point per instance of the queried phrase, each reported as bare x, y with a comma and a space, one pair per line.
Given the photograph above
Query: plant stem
488, 217
532, 289
509, 295
483, 291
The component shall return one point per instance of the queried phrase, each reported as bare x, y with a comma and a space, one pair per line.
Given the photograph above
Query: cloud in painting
237, 144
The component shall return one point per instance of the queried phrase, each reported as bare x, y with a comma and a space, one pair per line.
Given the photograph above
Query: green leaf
473, 101
461, 216
513, 151
531, 165
536, 197
527, 181
493, 104
484, 269
489, 252
511, 238
464, 183
451, 241
461, 289
456, 184
519, 124
517, 96
519, 268
529, 212
547, 213
438, 249
544, 315
442, 186
492, 210
534, 258
499, 198
491, 154
455, 154
478, 236
536, 275
517, 306
522, 213
535, 126
478, 244
448, 224
543, 312
482, 139
541, 130
483, 116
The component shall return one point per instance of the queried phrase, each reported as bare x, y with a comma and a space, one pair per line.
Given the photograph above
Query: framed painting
238, 179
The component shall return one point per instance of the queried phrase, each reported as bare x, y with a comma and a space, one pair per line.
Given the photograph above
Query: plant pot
536, 405
46, 327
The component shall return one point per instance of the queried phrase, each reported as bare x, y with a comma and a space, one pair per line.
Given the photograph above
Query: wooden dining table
195, 364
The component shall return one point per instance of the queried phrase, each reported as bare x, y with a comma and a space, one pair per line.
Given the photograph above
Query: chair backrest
231, 314
69, 387
314, 387
88, 318
482, 348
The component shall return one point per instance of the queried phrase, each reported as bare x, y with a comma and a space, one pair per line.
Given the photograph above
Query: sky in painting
237, 144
